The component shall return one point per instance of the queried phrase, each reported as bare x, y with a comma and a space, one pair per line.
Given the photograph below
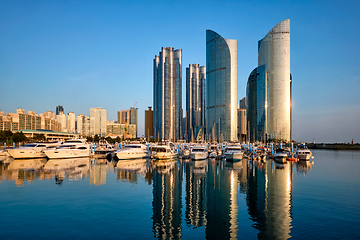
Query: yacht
213, 151
280, 155
198, 152
165, 152
32, 150
233, 152
303, 153
70, 149
133, 151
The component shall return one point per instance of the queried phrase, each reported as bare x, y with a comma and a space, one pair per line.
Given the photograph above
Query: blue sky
83, 54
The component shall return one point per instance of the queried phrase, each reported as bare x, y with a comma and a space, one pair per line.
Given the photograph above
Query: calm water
212, 199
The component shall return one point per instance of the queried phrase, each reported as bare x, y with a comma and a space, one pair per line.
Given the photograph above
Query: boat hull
67, 153
132, 155
25, 153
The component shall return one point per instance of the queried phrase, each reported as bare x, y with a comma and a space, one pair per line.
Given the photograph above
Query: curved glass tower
221, 87
268, 88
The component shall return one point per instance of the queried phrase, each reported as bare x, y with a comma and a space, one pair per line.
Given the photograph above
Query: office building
221, 87
195, 100
98, 119
269, 87
149, 123
167, 94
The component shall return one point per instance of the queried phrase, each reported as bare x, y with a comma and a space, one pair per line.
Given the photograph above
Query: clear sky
83, 54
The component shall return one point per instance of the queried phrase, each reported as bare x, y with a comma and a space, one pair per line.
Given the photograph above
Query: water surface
210, 199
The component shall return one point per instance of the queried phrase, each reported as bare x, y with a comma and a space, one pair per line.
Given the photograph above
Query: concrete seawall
334, 146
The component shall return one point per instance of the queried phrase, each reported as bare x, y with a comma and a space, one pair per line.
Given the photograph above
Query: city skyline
82, 56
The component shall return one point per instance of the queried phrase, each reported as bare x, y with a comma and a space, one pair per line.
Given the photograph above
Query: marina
181, 198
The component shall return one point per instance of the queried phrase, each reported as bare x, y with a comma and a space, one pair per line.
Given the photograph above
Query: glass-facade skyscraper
221, 87
195, 100
167, 94
269, 87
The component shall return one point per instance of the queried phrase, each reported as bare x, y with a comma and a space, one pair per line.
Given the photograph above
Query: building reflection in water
98, 170
218, 206
269, 197
167, 181
196, 196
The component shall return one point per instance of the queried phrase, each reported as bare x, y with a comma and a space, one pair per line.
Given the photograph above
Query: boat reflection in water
128, 170
167, 182
269, 199
72, 168
304, 166
23, 170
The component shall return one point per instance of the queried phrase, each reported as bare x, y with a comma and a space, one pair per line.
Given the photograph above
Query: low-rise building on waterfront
114, 129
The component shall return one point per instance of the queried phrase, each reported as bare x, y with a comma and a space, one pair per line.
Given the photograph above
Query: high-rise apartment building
195, 100
48, 121
269, 87
167, 94
98, 119
148, 123
59, 109
83, 125
71, 122
221, 87
61, 118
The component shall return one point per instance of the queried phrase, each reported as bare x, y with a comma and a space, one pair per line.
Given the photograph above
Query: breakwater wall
334, 146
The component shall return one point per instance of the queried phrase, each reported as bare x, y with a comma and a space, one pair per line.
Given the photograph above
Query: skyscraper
269, 87
59, 109
167, 94
195, 100
221, 87
98, 118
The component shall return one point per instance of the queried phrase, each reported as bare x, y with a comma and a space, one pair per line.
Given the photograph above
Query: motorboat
280, 155
133, 151
70, 149
303, 153
233, 152
32, 150
165, 152
198, 152
214, 151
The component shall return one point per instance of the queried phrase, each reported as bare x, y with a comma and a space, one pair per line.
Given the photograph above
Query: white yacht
303, 153
32, 150
280, 155
198, 152
233, 152
70, 149
133, 151
165, 152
